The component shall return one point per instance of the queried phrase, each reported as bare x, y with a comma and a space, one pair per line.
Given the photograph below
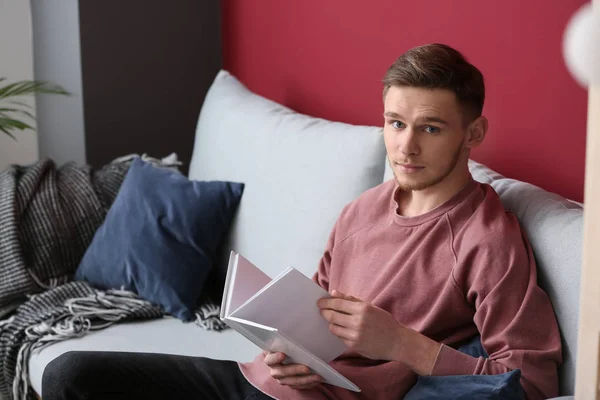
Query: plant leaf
27, 113
28, 87
8, 92
17, 88
16, 110
13, 123
20, 103
7, 132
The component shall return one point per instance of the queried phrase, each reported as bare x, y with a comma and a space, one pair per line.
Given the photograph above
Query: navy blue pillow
160, 237
469, 387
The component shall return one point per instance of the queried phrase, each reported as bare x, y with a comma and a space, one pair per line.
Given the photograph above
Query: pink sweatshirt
462, 268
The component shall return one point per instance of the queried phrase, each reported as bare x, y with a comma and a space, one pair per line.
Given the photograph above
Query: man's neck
414, 203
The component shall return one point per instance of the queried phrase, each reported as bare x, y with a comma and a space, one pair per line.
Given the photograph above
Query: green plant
11, 107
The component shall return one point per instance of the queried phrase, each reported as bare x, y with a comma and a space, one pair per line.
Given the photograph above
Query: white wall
57, 58
16, 63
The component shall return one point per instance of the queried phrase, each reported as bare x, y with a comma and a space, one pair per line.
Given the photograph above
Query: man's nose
408, 142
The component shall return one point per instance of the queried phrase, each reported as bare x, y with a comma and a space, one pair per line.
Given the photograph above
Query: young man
416, 267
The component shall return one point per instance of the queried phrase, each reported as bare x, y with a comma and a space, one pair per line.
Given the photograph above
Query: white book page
227, 293
250, 323
283, 273
246, 280
289, 303
270, 339
259, 337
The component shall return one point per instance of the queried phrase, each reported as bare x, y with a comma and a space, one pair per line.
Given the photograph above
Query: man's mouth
409, 168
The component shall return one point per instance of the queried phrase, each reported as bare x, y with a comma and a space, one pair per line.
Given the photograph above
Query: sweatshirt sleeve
496, 274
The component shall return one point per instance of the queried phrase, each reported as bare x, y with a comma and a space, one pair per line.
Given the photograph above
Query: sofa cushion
166, 335
387, 174
299, 172
554, 227
160, 237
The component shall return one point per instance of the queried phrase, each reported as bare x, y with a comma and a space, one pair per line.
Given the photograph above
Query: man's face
424, 135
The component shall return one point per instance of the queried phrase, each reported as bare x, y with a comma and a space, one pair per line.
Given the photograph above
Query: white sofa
299, 172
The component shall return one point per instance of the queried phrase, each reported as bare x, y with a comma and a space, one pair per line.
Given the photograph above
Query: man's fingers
343, 332
274, 358
341, 295
304, 387
340, 305
304, 380
291, 370
337, 318
297, 376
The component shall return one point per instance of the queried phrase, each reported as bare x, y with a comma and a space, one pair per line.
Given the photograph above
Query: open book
281, 315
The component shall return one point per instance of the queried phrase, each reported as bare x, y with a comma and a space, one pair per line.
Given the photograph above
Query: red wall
326, 58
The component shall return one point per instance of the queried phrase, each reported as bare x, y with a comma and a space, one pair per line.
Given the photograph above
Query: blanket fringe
52, 283
6, 322
208, 317
82, 315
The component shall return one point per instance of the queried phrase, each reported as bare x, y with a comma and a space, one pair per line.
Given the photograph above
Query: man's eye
397, 125
432, 129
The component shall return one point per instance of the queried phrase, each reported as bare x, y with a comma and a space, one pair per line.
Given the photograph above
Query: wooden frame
588, 348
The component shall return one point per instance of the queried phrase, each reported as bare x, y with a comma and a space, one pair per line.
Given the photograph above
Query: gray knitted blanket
48, 217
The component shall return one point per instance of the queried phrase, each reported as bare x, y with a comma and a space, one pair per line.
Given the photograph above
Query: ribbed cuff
453, 362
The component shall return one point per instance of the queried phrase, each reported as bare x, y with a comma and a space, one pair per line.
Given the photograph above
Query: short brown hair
438, 66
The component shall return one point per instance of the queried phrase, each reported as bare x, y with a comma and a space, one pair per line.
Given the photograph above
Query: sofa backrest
299, 172
554, 227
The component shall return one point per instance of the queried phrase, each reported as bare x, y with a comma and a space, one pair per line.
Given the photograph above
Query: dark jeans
112, 375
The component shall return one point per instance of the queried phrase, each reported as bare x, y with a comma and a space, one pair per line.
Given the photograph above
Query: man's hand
365, 328
296, 376
374, 333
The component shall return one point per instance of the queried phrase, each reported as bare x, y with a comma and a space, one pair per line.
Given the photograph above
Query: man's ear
476, 132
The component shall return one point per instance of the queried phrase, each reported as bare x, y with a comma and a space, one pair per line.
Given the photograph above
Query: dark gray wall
147, 65
139, 71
